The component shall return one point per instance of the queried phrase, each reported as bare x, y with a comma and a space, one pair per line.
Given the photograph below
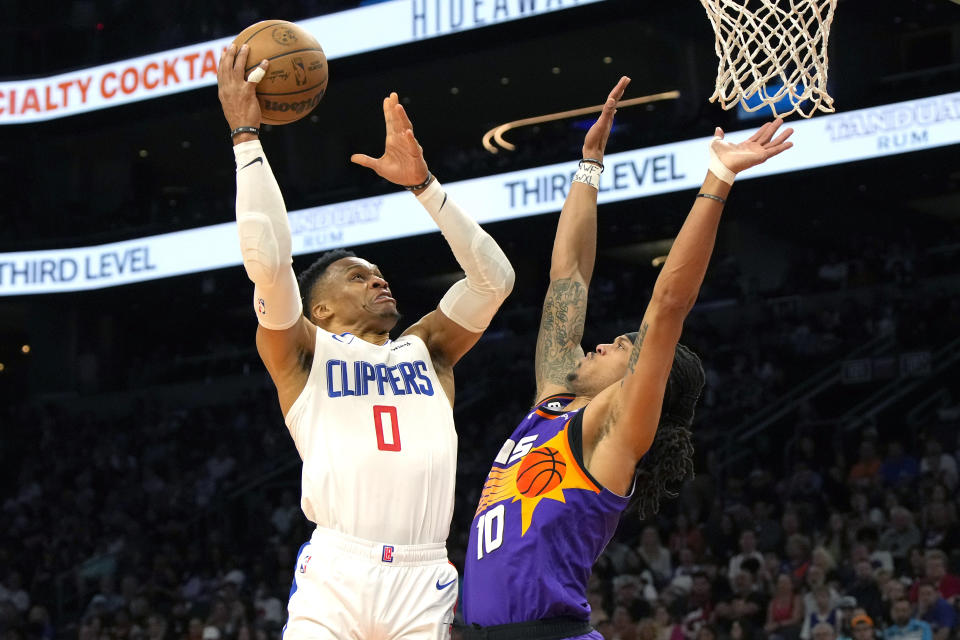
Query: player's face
601, 367
357, 294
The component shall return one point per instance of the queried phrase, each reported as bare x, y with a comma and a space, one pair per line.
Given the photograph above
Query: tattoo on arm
561, 329
635, 354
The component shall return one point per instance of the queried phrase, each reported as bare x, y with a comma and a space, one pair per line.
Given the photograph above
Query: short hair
669, 462
308, 279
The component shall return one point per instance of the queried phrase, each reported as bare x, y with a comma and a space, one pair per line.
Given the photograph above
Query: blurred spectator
667, 628
867, 468
798, 556
935, 572
940, 531
785, 611
862, 627
747, 603
904, 626
865, 590
686, 535
824, 631
698, 606
898, 468
836, 538
655, 555
900, 535
939, 465
816, 578
11, 590
935, 611
748, 549
823, 612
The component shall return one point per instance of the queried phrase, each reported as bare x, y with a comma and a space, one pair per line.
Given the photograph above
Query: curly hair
669, 462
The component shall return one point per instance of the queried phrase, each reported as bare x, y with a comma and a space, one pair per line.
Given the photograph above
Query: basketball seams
550, 457
293, 93
285, 53
261, 30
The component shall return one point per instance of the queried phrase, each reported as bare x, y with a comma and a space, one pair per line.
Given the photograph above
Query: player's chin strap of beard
473, 301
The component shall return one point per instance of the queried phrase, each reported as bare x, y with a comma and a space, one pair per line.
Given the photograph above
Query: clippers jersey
541, 524
375, 431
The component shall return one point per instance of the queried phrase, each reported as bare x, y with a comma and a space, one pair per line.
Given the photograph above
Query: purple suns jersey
541, 524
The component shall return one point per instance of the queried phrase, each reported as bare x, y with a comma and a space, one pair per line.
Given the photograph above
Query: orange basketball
541, 470
297, 77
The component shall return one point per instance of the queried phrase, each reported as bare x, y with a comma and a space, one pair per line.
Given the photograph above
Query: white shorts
346, 587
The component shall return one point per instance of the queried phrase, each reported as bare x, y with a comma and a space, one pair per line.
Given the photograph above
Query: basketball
541, 470
297, 77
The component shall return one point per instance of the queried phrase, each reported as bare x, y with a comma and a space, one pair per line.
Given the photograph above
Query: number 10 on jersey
387, 439
490, 531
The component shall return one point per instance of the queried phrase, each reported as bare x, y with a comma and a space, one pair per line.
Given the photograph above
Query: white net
772, 53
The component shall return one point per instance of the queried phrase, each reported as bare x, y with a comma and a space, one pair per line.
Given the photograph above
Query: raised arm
629, 423
571, 265
285, 338
466, 310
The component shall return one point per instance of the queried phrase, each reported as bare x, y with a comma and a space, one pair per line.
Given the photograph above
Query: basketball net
776, 51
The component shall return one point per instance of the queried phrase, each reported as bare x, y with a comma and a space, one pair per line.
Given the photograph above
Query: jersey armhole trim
575, 441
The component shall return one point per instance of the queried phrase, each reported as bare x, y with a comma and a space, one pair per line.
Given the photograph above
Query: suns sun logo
540, 474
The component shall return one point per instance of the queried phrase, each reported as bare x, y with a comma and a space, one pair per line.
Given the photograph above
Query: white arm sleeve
265, 240
473, 301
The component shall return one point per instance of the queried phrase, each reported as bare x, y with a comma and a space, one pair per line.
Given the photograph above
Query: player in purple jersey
608, 429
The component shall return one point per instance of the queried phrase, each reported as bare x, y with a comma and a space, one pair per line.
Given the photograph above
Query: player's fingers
226, 60
240, 64
618, 90
780, 139
759, 133
257, 74
402, 119
780, 148
364, 160
410, 141
718, 133
771, 129
388, 115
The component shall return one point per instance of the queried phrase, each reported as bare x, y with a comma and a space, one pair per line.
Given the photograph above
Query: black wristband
712, 197
239, 130
594, 161
422, 185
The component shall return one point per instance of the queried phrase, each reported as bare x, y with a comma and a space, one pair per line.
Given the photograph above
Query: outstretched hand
237, 96
402, 161
755, 150
595, 142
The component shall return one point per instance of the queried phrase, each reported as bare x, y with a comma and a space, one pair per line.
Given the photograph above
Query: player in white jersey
371, 418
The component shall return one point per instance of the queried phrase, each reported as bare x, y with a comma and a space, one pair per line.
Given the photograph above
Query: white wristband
717, 167
588, 173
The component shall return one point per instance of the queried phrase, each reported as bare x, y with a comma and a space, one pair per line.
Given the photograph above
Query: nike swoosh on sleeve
254, 161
